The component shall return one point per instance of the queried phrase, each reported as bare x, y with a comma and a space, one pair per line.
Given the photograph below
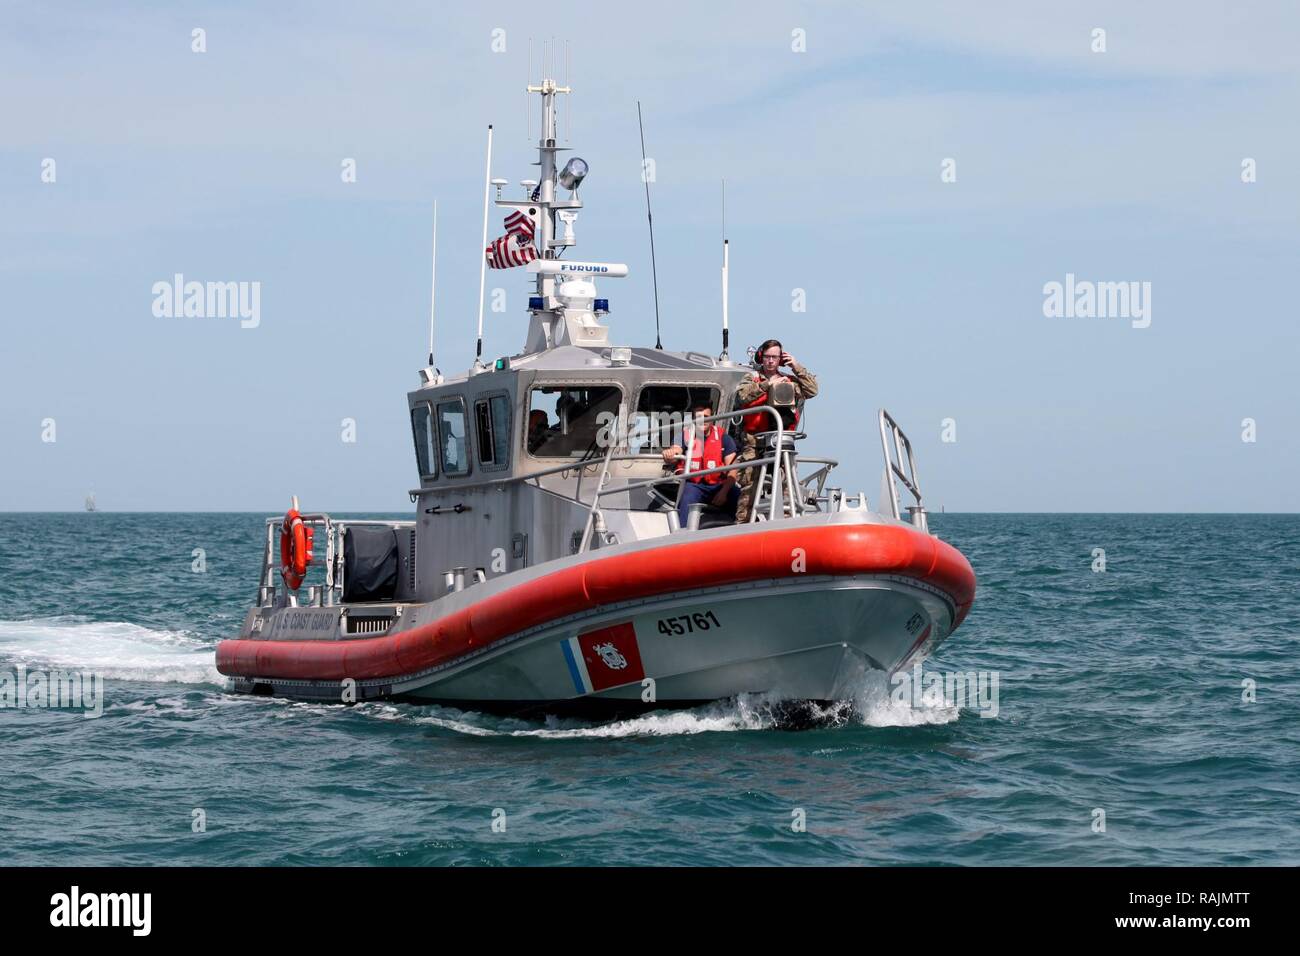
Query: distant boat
90, 502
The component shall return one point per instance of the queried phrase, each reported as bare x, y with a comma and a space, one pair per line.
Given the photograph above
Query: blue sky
922, 296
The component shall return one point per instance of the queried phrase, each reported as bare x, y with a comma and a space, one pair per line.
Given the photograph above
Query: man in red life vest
770, 358
538, 425
711, 447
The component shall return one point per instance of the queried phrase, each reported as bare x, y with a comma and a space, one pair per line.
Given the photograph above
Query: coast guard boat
546, 569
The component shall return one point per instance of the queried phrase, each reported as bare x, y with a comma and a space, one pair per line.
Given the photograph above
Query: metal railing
330, 593
902, 451
779, 491
802, 494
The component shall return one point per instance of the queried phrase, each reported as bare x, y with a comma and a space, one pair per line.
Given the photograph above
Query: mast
546, 150
564, 307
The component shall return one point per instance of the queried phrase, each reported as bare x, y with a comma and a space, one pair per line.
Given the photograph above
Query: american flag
516, 247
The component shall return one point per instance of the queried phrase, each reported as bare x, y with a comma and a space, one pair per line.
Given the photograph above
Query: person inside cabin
769, 360
538, 427
711, 447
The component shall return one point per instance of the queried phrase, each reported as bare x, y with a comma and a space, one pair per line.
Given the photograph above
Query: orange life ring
295, 549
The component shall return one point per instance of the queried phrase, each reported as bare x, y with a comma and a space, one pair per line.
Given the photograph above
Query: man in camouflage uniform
770, 358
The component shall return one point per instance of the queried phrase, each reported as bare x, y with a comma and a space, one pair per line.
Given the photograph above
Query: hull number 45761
688, 623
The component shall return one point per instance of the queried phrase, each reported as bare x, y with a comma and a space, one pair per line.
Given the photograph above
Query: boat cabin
509, 456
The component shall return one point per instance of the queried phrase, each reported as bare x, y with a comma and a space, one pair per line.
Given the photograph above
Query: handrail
893, 469
734, 466
818, 475
778, 494
595, 503
579, 465
594, 513
732, 415
585, 463
334, 531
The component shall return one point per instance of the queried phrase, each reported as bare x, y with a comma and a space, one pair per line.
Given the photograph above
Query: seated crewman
711, 447
538, 427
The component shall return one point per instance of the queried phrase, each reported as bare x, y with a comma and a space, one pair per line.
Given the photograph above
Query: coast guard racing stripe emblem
604, 658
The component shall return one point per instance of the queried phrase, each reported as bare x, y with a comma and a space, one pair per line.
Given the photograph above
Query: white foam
874, 705
870, 706
112, 649
721, 717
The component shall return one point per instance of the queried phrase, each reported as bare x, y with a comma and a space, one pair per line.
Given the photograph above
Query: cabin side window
572, 421
660, 411
452, 441
422, 426
492, 423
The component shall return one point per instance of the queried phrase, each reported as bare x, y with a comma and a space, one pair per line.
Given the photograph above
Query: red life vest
763, 422
706, 453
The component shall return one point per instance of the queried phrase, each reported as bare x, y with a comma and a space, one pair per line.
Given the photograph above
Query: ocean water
1120, 691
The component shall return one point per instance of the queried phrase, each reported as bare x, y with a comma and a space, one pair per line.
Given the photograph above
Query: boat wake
112, 649
870, 706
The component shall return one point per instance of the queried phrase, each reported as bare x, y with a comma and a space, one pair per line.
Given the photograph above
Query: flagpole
482, 266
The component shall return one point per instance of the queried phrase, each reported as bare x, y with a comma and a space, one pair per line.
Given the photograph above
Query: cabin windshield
452, 437
571, 421
665, 405
422, 425
492, 422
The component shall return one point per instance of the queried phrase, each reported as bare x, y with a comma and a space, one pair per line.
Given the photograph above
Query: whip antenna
482, 266
654, 274
433, 283
726, 261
